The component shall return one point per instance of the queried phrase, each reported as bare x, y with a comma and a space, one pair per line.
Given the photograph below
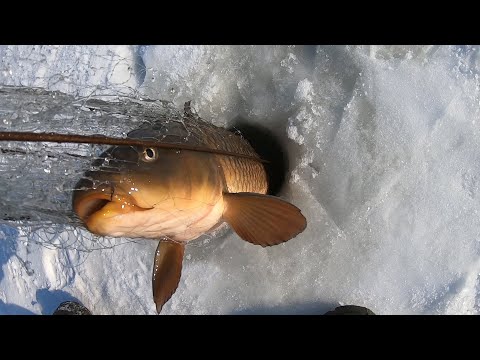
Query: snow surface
383, 144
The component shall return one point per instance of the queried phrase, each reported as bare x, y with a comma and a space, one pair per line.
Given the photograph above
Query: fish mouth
89, 204
102, 205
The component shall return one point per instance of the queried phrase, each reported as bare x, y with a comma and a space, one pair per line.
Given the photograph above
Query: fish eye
149, 154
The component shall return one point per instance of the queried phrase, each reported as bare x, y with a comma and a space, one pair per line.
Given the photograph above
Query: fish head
128, 180
123, 180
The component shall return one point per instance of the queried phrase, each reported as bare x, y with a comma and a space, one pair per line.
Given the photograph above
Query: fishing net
80, 90
64, 89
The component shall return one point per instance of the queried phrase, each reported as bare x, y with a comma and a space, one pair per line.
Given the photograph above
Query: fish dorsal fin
262, 219
167, 268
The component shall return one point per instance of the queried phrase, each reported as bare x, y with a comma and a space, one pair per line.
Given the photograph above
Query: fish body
163, 193
177, 195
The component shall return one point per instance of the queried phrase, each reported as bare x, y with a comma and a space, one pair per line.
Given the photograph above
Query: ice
383, 144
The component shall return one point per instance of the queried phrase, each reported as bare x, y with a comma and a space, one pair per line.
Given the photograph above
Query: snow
383, 144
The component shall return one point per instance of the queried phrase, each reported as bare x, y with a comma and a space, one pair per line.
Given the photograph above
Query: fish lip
88, 204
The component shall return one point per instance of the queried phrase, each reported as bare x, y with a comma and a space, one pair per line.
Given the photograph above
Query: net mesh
84, 90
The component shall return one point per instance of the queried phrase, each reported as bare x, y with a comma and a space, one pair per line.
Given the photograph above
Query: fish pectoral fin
167, 268
262, 219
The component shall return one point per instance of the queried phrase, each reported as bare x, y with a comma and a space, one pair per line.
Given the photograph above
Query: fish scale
241, 174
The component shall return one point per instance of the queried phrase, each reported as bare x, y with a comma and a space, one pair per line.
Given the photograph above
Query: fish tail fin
262, 219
